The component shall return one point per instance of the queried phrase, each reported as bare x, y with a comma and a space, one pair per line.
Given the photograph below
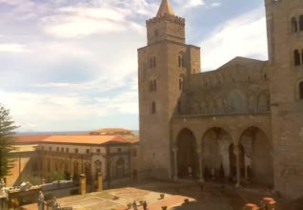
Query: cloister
237, 148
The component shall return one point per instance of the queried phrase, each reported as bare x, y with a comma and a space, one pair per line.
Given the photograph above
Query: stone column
199, 152
268, 203
100, 182
175, 151
237, 154
250, 206
83, 184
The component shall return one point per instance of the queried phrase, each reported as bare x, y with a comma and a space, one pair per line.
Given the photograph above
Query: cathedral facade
241, 123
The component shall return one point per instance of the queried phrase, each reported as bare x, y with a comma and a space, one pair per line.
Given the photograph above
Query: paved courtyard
213, 197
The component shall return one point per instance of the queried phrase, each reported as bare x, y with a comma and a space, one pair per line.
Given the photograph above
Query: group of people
144, 205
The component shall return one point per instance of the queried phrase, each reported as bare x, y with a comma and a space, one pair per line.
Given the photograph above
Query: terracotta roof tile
30, 139
85, 139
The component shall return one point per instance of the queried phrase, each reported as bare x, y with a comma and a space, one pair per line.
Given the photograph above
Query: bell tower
285, 46
162, 66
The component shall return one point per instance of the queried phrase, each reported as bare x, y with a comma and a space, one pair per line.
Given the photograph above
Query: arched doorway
258, 156
187, 158
215, 150
120, 167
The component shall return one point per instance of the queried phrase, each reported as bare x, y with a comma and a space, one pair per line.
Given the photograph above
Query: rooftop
86, 139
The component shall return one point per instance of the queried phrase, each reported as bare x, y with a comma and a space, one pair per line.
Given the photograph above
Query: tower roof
165, 8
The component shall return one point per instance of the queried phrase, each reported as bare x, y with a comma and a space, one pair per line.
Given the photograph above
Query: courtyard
184, 195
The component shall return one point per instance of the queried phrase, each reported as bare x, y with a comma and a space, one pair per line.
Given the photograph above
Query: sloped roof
30, 139
85, 139
241, 61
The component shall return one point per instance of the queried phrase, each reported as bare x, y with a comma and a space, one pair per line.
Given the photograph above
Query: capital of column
199, 151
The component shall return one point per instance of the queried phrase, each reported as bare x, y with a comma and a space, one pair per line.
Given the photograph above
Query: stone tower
163, 65
285, 45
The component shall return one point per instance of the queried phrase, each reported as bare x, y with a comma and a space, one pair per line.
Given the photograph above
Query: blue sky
68, 65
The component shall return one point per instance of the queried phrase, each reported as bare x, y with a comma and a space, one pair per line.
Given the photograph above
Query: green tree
7, 137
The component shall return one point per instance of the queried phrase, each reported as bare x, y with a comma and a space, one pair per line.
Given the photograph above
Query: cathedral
241, 123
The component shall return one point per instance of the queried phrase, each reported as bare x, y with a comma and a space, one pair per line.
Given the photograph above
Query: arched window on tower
297, 58
301, 90
153, 108
294, 25
181, 62
301, 22
181, 83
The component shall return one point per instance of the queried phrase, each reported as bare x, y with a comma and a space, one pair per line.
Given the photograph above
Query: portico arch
215, 153
258, 156
187, 160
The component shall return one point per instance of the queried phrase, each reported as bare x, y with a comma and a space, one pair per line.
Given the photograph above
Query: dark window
98, 150
76, 151
301, 90
294, 25
62, 149
119, 150
297, 58
50, 148
87, 151
181, 62
66, 150
120, 165
153, 108
58, 149
152, 62
153, 85
301, 22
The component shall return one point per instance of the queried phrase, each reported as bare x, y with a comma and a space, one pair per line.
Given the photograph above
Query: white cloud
194, 3
243, 36
13, 48
50, 112
216, 4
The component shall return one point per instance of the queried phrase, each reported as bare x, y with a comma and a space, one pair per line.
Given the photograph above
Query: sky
71, 65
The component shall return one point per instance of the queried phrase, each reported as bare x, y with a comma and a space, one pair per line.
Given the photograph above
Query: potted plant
162, 195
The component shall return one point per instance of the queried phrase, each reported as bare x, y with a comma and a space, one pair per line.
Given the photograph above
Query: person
135, 205
144, 205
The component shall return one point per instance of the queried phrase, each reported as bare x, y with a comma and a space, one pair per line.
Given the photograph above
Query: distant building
68, 156
242, 122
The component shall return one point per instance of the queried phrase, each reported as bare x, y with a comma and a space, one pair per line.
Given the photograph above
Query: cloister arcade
239, 154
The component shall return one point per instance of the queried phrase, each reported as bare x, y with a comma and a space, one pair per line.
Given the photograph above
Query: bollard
250, 206
100, 182
83, 184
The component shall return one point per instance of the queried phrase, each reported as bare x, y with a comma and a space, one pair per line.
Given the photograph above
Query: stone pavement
212, 198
